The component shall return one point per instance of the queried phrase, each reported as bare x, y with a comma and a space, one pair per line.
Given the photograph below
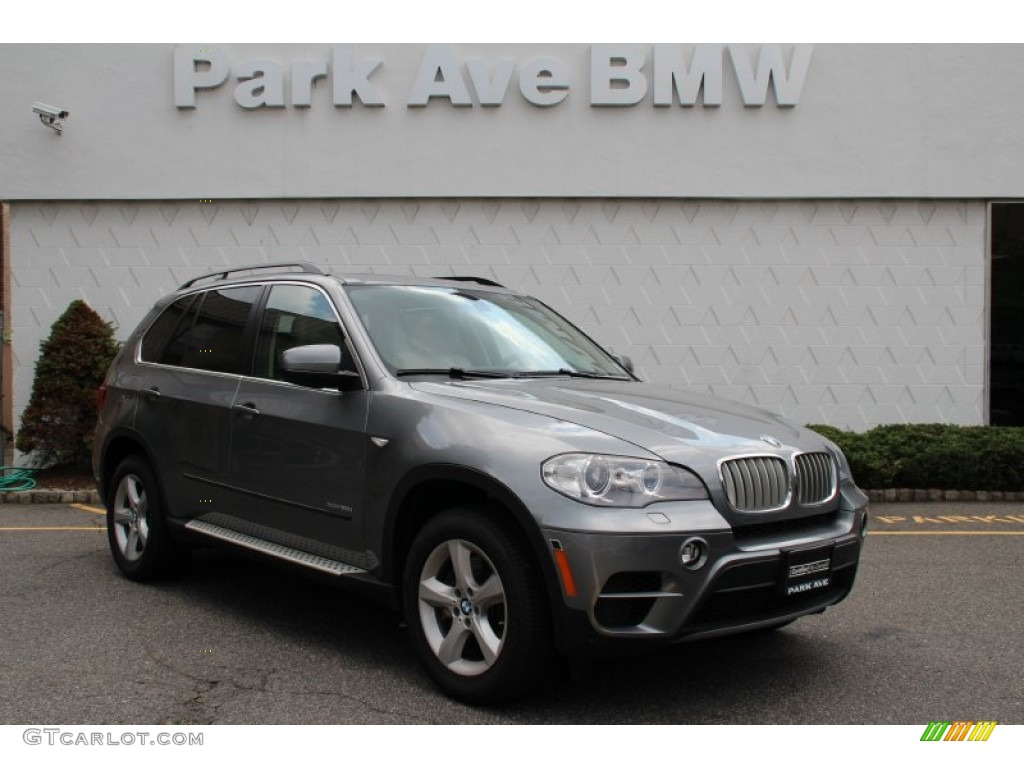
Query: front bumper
632, 589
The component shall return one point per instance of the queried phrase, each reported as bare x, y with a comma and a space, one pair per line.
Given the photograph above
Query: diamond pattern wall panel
851, 313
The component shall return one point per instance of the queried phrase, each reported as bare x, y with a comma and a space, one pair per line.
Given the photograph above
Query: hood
678, 426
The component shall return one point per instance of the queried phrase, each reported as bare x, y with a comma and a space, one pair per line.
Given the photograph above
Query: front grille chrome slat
779, 480
757, 480
729, 481
744, 485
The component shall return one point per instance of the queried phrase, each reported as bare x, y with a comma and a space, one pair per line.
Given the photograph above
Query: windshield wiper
466, 373
454, 373
567, 372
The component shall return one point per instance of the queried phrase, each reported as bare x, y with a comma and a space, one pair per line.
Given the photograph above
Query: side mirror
317, 365
625, 362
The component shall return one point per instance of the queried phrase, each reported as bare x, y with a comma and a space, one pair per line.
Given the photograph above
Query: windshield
424, 328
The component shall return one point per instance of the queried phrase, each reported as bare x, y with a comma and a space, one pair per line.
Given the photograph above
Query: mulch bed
64, 479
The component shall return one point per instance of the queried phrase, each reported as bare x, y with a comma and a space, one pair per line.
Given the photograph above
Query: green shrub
941, 456
57, 425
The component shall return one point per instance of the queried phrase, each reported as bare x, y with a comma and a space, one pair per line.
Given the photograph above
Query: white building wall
850, 313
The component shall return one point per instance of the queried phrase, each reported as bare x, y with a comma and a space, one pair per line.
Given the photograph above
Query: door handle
152, 393
248, 410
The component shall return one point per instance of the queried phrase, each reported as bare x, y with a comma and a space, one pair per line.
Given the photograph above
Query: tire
136, 526
475, 606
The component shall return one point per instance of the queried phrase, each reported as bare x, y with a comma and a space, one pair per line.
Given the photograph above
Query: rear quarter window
163, 329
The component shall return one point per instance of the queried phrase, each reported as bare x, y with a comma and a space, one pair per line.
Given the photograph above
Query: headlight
619, 481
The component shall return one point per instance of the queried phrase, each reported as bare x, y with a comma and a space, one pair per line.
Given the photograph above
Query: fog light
694, 553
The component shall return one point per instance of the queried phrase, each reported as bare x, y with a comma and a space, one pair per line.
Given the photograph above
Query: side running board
280, 551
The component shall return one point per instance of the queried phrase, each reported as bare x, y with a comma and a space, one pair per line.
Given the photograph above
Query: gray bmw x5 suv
464, 453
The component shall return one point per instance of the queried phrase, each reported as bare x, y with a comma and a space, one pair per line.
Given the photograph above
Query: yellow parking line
53, 528
88, 508
946, 533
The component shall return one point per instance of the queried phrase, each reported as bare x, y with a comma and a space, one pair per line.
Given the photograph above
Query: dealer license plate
807, 570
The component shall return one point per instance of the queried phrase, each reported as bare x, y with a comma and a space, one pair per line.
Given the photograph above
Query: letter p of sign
195, 67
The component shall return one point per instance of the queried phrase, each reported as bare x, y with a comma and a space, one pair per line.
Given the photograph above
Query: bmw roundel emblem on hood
771, 441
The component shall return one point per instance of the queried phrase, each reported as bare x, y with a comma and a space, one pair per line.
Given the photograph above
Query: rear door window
208, 334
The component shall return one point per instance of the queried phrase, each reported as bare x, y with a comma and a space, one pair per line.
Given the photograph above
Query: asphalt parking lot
933, 631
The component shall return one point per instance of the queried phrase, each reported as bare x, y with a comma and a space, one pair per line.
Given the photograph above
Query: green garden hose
16, 479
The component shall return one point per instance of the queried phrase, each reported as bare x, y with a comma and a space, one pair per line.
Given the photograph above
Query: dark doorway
6, 367
1006, 367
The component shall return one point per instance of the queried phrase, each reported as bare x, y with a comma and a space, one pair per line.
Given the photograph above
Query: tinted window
295, 315
210, 335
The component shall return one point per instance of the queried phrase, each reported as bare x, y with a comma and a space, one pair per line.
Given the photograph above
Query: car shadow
732, 679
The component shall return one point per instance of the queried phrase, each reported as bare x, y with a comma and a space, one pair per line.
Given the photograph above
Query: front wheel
475, 606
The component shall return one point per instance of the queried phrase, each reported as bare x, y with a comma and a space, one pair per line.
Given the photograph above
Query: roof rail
471, 279
302, 266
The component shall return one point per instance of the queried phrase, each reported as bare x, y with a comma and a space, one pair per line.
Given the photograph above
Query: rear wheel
475, 606
136, 527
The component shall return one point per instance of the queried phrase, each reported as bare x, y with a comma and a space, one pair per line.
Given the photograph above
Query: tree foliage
57, 426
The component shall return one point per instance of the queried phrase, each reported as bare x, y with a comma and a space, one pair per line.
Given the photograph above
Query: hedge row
933, 456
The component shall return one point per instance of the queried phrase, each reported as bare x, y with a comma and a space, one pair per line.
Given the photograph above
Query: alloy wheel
462, 607
131, 525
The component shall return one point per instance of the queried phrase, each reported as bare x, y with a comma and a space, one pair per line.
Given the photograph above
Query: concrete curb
896, 495
46, 496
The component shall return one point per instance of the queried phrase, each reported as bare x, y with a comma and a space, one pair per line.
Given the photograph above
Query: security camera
50, 116
53, 113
